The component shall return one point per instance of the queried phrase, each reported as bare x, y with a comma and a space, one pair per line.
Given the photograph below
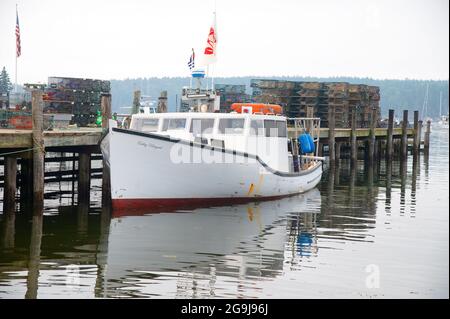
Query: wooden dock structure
29, 146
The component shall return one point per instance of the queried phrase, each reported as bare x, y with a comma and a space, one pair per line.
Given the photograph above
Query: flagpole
15, 85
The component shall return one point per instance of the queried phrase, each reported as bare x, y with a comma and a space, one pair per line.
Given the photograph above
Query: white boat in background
190, 158
443, 119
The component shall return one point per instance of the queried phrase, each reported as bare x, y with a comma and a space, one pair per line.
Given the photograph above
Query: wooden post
84, 178
162, 102
416, 143
37, 106
26, 183
106, 110
372, 138
389, 141
136, 102
10, 187
309, 114
338, 151
106, 176
404, 149
320, 153
354, 146
376, 149
426, 143
331, 127
295, 153
419, 130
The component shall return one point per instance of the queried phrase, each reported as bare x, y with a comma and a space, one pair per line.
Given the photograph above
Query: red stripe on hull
130, 207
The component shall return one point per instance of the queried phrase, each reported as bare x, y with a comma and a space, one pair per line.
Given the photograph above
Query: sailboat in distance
443, 119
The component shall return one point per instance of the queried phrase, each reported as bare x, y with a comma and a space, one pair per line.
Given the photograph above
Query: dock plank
23, 138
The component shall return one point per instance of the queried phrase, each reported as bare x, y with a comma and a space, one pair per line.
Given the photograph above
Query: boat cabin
262, 135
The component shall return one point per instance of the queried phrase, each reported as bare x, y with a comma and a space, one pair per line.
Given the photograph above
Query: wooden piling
419, 130
426, 142
136, 102
372, 138
354, 145
376, 150
84, 178
106, 110
416, 142
309, 114
404, 147
106, 175
10, 187
295, 154
37, 106
331, 135
338, 151
26, 182
389, 140
162, 102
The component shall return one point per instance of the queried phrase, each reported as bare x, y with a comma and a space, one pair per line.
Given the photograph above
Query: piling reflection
34, 257
403, 169
9, 230
388, 176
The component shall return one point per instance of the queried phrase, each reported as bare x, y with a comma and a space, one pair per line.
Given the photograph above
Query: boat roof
209, 115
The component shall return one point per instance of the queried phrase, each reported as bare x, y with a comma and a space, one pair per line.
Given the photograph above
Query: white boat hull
148, 172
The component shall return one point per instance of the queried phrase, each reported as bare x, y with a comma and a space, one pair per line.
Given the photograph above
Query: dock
57, 140
28, 148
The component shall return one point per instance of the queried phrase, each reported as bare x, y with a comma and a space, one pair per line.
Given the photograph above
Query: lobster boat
202, 157
179, 159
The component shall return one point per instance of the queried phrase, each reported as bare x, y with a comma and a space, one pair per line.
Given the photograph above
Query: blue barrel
306, 143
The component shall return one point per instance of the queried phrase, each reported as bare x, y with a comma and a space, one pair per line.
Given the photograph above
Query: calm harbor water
361, 234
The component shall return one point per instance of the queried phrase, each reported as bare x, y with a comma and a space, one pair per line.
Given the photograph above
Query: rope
16, 152
39, 145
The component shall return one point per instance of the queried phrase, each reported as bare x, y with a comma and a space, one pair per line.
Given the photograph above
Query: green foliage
5, 83
395, 94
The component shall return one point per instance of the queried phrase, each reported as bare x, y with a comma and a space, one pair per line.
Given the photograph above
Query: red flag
211, 44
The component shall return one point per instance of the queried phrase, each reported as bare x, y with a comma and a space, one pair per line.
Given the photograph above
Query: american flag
191, 63
18, 49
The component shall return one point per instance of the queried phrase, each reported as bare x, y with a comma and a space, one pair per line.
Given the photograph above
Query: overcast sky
136, 38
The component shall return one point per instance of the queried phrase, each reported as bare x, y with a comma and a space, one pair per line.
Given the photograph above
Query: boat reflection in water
202, 245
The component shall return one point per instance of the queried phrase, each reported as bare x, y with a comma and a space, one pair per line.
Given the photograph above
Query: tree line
395, 94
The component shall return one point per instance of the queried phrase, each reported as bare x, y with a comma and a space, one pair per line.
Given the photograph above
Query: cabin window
231, 126
202, 126
282, 131
149, 125
174, 124
256, 127
275, 128
270, 127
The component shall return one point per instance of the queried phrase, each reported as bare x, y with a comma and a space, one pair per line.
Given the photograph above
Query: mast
425, 104
440, 104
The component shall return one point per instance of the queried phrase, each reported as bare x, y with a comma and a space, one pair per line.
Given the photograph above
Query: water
361, 234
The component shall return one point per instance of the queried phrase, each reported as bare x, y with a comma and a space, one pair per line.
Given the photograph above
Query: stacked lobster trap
297, 97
